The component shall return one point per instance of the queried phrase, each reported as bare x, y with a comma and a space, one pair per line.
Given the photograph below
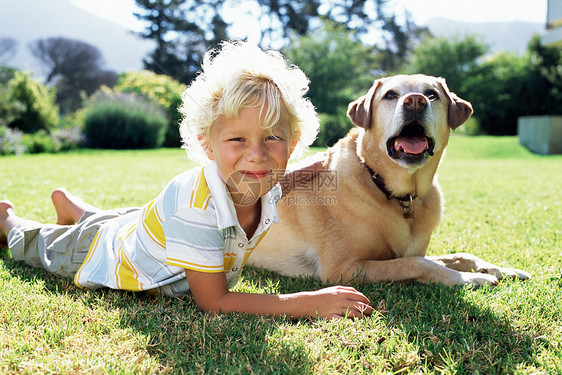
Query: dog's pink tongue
411, 145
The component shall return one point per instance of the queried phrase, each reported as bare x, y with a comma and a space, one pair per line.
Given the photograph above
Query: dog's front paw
503, 272
478, 279
514, 273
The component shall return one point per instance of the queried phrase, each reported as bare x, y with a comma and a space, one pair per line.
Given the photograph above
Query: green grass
502, 204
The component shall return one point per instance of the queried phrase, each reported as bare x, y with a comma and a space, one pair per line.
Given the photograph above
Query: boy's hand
211, 293
338, 302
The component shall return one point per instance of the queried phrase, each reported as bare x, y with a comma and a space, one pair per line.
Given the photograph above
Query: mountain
29, 20
500, 36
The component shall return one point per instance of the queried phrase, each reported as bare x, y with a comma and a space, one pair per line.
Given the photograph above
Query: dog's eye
391, 95
432, 95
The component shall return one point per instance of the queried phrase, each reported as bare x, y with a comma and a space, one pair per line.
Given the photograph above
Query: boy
246, 113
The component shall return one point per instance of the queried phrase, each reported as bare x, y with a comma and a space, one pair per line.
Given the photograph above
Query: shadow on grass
177, 334
440, 327
452, 333
443, 326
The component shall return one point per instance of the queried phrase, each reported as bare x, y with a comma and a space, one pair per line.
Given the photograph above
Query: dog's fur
342, 227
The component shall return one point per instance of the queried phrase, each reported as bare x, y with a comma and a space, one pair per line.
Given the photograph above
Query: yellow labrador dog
368, 211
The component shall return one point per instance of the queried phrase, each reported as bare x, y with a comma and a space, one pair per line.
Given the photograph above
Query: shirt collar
224, 206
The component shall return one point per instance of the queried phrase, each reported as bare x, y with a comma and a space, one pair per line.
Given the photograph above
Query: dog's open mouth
411, 145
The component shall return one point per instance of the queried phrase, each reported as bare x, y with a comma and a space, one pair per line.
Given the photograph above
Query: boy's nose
257, 153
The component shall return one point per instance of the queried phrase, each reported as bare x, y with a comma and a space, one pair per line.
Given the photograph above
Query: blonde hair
240, 75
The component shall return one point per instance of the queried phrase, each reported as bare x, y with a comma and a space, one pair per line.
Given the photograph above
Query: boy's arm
211, 293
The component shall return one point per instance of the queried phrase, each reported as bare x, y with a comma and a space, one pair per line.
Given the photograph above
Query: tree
393, 41
65, 57
6, 74
493, 84
10, 109
338, 65
8, 47
501, 87
509, 86
182, 30
340, 69
544, 79
285, 17
451, 58
38, 110
74, 67
496, 90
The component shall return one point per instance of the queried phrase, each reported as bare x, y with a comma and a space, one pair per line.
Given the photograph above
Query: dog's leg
403, 269
466, 262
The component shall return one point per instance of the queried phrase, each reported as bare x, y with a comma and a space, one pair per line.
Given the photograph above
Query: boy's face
250, 159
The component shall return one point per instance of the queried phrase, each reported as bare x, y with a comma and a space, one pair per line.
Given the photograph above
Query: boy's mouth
257, 175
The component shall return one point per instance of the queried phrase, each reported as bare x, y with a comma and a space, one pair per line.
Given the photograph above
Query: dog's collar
405, 201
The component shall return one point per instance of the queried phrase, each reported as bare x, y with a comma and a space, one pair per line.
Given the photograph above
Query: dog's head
411, 116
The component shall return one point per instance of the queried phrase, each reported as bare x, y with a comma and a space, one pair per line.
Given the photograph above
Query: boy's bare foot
69, 207
7, 221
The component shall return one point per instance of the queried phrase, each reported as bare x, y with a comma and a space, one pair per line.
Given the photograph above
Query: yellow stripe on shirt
152, 223
249, 251
194, 266
125, 274
228, 260
201, 194
91, 251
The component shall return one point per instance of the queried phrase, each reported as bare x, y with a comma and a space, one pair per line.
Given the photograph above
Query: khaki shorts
59, 249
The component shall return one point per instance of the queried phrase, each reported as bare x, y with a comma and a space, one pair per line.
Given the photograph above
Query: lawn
502, 204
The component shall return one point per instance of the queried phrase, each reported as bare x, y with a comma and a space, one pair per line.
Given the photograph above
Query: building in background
553, 34
543, 134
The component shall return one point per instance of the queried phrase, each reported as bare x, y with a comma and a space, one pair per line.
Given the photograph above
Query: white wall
553, 35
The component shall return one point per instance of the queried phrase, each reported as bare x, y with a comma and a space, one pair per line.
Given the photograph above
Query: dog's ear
459, 109
360, 111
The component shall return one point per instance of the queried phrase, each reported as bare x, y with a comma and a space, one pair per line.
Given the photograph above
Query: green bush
40, 142
162, 89
470, 127
68, 138
39, 111
27, 106
332, 128
6, 74
14, 142
123, 121
10, 109
11, 141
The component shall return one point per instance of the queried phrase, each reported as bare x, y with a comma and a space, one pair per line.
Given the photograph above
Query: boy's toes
5, 205
60, 194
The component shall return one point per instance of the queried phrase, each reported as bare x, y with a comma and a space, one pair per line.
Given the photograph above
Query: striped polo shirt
192, 224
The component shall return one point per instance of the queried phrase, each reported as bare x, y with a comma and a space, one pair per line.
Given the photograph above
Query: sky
121, 11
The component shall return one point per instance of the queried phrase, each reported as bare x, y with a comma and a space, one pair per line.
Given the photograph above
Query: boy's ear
206, 146
293, 145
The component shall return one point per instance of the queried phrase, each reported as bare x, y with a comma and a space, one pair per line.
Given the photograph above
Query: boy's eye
236, 139
274, 138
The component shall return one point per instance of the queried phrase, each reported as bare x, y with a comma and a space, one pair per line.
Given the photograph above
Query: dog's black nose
415, 102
